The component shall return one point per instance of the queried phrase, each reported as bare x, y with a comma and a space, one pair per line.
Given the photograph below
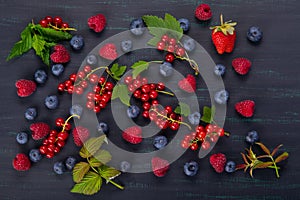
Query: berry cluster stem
62, 29
91, 72
67, 120
164, 92
192, 62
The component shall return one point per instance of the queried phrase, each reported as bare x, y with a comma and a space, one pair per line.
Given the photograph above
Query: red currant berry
102, 104
137, 83
188, 138
45, 142
87, 69
97, 109
160, 86
209, 128
79, 90
48, 19
53, 133
214, 138
109, 86
61, 87
152, 115
60, 143
155, 102
105, 98
62, 135
205, 145
165, 38
173, 116
160, 45
221, 132
81, 74
72, 77
146, 88
145, 114
43, 149
93, 78
102, 80
50, 147
174, 126
152, 86
68, 126
44, 23
57, 21
131, 88
199, 128
65, 25
146, 106
180, 51
144, 81
56, 149
90, 96
153, 94
128, 80
172, 41
70, 89
171, 48
137, 94
97, 97
168, 109
50, 154
84, 84
169, 57
145, 97
51, 140
59, 122
185, 144
201, 135
194, 146
97, 89
90, 105
68, 83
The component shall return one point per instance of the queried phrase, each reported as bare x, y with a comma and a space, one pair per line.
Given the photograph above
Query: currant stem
275, 166
67, 120
164, 92
192, 63
62, 29
91, 72
156, 61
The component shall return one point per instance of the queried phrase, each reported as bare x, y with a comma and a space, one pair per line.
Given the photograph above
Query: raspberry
241, 65
188, 84
39, 130
80, 135
245, 108
97, 22
203, 12
25, 87
159, 166
109, 51
60, 54
21, 162
218, 162
133, 135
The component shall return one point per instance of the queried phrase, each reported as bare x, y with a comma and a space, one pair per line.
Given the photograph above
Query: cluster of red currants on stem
51, 22
211, 131
171, 45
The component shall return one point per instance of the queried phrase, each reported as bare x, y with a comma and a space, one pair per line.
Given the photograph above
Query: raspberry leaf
120, 91
117, 71
208, 114
102, 156
90, 184
91, 146
80, 170
94, 162
52, 35
183, 109
108, 173
139, 67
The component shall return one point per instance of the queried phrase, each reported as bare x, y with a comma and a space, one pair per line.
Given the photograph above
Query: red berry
218, 162
59, 122
102, 104
172, 41
180, 51
90, 96
87, 69
145, 97
146, 88
185, 144
65, 25
62, 135
97, 109
160, 86
60, 143
137, 94
51, 140
68, 83
145, 114
21, 162
165, 38
194, 146
84, 84
154, 102
205, 145
153, 94
56, 149
131, 88
171, 48
133, 135
169, 57
201, 135
50, 147
81, 74
93, 78
72, 77
50, 154
160, 45
53, 133
214, 138
43, 149
152, 115
173, 116
174, 126
90, 105
61, 87
68, 126
57, 21
146, 106
203, 12
152, 86
48, 19
79, 90
109, 86
168, 109
128, 80
45, 142
102, 80
44, 23
70, 89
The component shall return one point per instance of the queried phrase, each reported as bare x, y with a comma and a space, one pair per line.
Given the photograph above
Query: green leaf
183, 109
91, 146
172, 23
208, 114
153, 41
80, 169
90, 184
38, 44
94, 162
120, 91
139, 67
282, 157
108, 173
263, 165
263, 147
52, 35
103, 156
117, 71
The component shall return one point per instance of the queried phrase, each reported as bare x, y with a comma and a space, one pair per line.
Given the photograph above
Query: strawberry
159, 166
109, 51
21, 162
39, 130
25, 87
60, 54
188, 84
218, 162
245, 108
80, 135
224, 36
241, 65
133, 135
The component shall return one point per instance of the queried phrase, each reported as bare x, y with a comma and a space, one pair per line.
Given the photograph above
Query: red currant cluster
56, 140
212, 131
171, 45
57, 22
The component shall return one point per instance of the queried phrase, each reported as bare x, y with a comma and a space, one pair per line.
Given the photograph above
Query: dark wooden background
273, 83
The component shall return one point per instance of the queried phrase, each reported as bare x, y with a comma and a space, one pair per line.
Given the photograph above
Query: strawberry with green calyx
224, 36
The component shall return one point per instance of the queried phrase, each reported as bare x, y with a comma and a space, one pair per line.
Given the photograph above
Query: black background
273, 83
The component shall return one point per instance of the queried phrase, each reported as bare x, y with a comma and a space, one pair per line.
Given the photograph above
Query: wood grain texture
273, 83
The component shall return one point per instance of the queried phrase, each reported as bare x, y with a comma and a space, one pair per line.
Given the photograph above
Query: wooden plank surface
273, 83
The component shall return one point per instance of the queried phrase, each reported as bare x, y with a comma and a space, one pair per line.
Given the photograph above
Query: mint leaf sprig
253, 161
89, 175
40, 39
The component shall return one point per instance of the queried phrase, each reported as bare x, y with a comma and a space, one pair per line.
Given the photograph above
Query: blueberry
191, 168
254, 34
189, 44
137, 26
40, 76
77, 42
59, 168
30, 113
160, 142
184, 24
133, 111
126, 45
57, 69
221, 97
76, 109
51, 102
35, 155
252, 137
125, 166
70, 162
22, 138
219, 70
102, 128
194, 118
92, 59
230, 167
166, 69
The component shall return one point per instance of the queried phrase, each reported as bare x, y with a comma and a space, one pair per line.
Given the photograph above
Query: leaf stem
115, 184
275, 166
